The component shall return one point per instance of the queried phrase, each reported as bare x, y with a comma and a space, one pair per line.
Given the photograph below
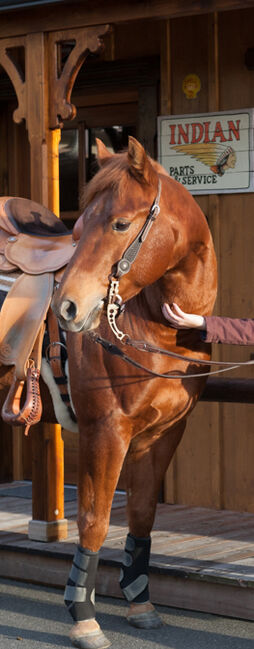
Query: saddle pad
37, 255
21, 317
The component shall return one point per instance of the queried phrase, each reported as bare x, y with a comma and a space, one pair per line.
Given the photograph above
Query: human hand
181, 320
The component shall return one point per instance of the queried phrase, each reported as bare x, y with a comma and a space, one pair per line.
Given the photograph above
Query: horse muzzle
70, 318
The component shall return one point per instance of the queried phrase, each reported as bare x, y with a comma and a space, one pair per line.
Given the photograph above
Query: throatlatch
79, 594
134, 573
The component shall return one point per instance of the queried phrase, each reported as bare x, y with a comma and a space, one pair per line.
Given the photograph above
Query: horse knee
92, 531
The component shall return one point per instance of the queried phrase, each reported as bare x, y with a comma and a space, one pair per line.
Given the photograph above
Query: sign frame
209, 189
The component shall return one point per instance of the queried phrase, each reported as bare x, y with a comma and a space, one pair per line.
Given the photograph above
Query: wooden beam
165, 57
83, 14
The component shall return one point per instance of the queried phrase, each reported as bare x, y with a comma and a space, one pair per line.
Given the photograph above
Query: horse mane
115, 174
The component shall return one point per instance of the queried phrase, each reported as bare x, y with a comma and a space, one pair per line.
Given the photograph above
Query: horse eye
121, 226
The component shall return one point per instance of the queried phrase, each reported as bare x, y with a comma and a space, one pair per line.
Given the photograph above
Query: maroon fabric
233, 331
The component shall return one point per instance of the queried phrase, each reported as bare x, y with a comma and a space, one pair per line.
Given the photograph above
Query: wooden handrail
229, 390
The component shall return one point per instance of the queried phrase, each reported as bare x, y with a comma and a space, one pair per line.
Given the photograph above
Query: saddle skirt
36, 245
32, 238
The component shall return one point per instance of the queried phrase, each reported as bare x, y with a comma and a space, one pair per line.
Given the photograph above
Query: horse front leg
101, 455
145, 470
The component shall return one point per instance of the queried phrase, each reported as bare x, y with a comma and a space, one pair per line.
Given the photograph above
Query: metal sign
209, 153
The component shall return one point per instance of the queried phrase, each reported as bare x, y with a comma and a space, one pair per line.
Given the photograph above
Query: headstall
114, 303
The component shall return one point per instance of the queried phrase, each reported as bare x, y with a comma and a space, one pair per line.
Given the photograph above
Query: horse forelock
114, 175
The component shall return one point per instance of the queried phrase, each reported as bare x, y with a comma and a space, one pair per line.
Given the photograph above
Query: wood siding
213, 466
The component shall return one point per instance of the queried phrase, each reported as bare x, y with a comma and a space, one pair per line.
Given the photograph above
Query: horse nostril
68, 310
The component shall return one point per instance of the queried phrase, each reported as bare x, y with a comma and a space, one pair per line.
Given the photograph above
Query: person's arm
214, 329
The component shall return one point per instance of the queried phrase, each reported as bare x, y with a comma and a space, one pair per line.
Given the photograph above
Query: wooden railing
229, 390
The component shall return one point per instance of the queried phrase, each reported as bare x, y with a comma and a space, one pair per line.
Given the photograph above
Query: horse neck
190, 282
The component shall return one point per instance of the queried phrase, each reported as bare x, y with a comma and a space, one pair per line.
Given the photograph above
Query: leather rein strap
140, 345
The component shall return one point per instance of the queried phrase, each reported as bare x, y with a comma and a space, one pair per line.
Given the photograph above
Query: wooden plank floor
201, 559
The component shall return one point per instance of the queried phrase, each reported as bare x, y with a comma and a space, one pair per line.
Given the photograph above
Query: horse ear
140, 165
103, 154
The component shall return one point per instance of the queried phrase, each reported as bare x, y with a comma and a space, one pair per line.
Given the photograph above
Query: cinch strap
134, 573
79, 595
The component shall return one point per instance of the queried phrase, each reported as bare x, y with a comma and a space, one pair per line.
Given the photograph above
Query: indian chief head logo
191, 86
218, 157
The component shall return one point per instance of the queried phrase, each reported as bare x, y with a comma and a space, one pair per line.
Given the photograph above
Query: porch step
201, 559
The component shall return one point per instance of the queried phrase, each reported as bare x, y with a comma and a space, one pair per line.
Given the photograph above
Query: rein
144, 346
115, 306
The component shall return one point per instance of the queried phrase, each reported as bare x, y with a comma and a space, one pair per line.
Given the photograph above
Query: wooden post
53, 140
48, 522
54, 93
44, 95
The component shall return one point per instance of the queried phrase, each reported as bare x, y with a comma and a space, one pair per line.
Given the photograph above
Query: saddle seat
32, 238
34, 241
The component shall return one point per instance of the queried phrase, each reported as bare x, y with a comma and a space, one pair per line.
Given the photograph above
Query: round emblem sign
191, 86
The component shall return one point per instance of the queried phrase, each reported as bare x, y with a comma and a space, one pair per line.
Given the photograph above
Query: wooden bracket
87, 40
14, 73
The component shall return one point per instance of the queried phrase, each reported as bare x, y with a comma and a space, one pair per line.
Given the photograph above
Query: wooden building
58, 91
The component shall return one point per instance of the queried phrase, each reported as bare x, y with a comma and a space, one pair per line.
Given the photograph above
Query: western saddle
35, 246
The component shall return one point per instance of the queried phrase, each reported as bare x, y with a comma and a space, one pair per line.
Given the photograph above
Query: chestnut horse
125, 413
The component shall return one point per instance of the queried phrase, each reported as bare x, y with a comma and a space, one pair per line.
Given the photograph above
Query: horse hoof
147, 620
93, 640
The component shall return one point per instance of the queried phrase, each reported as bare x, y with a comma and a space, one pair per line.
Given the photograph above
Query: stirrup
31, 411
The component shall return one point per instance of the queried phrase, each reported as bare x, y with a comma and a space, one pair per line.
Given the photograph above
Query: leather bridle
115, 306
114, 300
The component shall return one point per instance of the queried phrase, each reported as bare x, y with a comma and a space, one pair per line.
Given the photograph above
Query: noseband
114, 303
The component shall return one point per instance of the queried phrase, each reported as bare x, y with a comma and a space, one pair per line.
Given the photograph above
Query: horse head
119, 204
